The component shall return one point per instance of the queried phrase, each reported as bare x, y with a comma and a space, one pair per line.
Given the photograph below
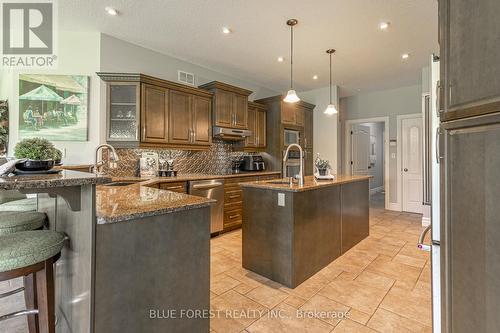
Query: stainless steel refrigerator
467, 234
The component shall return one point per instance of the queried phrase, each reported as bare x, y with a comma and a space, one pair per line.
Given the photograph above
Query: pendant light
291, 95
330, 109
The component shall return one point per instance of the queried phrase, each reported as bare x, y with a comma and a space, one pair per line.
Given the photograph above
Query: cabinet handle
233, 216
305, 142
438, 98
175, 187
194, 136
234, 196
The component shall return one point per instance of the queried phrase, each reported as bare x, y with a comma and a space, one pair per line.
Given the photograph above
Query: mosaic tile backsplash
216, 160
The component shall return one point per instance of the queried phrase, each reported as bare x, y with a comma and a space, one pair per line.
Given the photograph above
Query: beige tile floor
380, 285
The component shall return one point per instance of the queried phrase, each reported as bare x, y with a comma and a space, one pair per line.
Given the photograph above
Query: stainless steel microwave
291, 136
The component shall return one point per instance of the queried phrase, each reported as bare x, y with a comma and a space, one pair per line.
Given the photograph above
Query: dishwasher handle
206, 186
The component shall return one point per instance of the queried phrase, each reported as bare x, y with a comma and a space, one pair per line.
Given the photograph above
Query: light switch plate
281, 199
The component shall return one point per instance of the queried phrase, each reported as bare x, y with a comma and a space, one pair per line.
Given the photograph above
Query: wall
326, 141
393, 102
78, 55
120, 56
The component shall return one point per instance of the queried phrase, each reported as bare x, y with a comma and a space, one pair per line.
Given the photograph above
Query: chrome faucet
113, 157
301, 168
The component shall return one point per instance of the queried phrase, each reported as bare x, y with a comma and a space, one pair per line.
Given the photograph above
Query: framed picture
54, 107
4, 127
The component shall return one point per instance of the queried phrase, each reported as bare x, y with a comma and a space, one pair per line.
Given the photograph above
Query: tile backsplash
216, 160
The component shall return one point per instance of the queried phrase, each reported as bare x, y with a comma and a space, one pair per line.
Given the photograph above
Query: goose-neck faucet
301, 168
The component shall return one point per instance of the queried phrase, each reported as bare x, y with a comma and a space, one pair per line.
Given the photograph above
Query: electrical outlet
64, 152
281, 199
393, 155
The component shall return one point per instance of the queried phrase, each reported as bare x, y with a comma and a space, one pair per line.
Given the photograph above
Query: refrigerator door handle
438, 153
420, 244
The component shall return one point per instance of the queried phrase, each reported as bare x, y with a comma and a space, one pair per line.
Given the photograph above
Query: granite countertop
193, 176
310, 183
63, 179
122, 203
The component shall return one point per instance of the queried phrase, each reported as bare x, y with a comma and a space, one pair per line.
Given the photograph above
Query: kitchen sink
125, 183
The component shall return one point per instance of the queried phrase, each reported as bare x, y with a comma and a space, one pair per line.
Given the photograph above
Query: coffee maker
253, 163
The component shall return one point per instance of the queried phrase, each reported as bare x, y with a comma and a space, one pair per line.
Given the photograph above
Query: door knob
405, 169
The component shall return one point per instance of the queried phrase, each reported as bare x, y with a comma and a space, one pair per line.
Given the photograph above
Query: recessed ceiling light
281, 59
315, 77
384, 25
226, 30
111, 11
405, 56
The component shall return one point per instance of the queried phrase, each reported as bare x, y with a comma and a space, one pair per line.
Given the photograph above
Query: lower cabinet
233, 199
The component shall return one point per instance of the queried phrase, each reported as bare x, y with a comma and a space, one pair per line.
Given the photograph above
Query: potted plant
36, 154
57, 156
322, 165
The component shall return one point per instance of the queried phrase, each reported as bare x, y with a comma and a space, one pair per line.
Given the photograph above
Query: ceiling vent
185, 77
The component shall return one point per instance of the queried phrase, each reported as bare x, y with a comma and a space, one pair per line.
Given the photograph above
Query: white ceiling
366, 59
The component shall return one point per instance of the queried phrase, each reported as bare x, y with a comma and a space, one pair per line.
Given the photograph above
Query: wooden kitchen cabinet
154, 114
261, 120
233, 199
288, 115
230, 105
202, 127
466, 50
180, 129
257, 123
171, 115
308, 128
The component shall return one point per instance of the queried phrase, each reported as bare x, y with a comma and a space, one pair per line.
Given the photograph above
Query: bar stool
14, 221
31, 255
21, 205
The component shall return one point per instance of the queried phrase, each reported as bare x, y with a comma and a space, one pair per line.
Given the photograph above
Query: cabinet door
251, 141
308, 162
261, 128
308, 129
201, 120
154, 114
180, 130
470, 234
223, 108
299, 116
123, 111
470, 53
288, 113
240, 111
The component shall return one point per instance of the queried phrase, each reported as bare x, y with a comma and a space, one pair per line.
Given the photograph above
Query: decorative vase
323, 172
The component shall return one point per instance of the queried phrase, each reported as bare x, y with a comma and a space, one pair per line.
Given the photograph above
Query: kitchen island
152, 260
292, 232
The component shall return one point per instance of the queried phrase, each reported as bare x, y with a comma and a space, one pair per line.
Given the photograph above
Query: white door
360, 149
411, 164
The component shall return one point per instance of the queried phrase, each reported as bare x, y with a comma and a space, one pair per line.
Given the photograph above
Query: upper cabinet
154, 115
257, 123
469, 44
230, 105
171, 115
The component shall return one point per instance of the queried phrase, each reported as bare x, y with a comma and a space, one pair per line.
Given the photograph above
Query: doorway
410, 134
367, 154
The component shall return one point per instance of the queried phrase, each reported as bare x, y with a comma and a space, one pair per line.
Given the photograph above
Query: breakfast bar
290, 232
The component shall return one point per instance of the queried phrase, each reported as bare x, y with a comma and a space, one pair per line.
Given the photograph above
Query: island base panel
154, 267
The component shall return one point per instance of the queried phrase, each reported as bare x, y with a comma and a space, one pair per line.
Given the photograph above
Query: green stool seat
26, 248
11, 222
23, 205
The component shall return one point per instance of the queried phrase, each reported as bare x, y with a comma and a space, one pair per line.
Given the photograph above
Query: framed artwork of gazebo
54, 107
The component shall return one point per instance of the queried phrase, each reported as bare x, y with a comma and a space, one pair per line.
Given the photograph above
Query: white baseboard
426, 221
393, 206
376, 190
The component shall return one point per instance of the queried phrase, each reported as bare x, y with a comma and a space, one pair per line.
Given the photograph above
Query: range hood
230, 134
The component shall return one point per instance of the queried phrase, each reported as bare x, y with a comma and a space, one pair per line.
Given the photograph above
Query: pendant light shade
291, 95
330, 109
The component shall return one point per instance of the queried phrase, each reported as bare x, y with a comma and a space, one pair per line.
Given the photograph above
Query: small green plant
322, 164
56, 154
34, 149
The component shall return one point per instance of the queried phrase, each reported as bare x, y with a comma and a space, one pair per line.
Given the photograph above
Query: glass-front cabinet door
123, 111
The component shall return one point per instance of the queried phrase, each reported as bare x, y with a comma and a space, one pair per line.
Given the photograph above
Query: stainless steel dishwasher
212, 189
